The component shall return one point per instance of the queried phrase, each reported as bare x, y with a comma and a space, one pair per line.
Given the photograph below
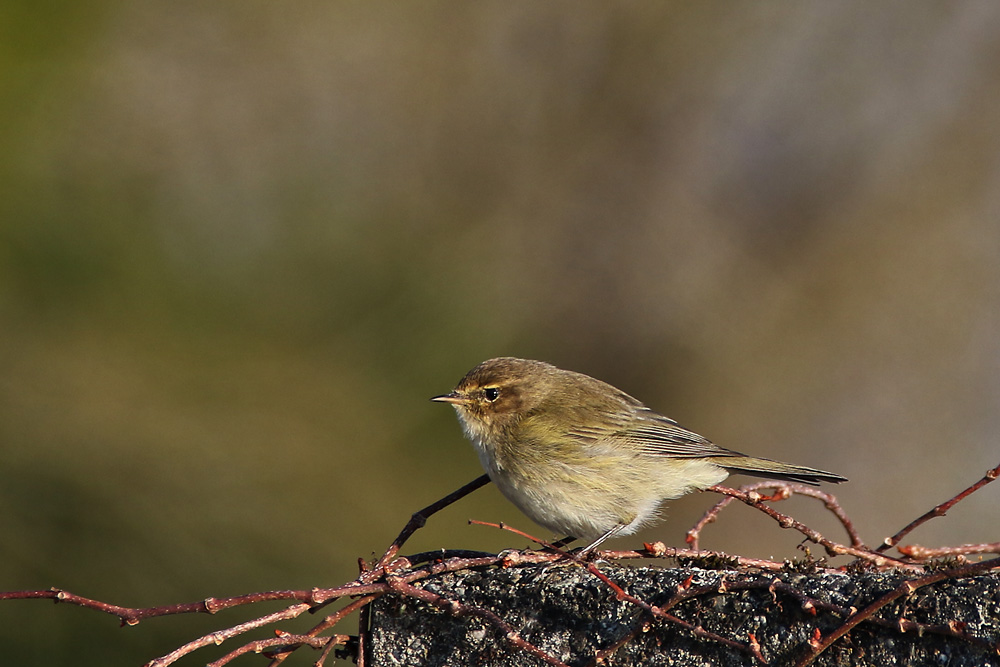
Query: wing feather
646, 432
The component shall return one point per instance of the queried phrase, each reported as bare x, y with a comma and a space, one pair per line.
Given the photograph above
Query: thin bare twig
133, 615
511, 529
939, 510
418, 520
658, 550
222, 635
356, 605
364, 621
753, 499
782, 491
918, 552
284, 640
652, 550
321, 660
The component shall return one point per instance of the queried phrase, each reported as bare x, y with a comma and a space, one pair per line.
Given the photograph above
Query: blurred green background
241, 244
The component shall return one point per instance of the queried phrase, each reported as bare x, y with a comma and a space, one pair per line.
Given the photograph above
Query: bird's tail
748, 465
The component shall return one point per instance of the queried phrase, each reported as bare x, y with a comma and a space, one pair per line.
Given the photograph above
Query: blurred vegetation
242, 243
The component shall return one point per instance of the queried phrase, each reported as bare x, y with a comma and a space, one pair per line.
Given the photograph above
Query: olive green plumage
583, 458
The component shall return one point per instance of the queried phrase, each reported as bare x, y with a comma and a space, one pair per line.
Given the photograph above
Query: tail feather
777, 470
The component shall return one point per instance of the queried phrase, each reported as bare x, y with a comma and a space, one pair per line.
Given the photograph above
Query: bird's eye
491, 394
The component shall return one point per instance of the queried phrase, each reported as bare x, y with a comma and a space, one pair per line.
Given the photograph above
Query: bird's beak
456, 399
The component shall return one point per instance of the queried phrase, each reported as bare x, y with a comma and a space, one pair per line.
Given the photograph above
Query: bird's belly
588, 498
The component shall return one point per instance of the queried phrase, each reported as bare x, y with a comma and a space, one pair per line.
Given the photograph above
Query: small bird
585, 459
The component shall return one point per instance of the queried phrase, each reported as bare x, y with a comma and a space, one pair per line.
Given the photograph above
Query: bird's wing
650, 433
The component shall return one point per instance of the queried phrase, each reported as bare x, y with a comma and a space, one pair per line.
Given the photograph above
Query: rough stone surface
570, 614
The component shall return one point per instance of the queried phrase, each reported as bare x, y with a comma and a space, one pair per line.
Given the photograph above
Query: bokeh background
241, 244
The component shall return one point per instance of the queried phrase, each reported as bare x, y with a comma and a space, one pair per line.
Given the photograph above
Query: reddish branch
417, 521
220, 636
364, 639
940, 510
918, 552
282, 641
782, 491
755, 500
651, 550
132, 615
360, 605
391, 574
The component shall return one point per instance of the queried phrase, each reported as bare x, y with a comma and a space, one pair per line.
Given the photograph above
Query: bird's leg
559, 544
600, 540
